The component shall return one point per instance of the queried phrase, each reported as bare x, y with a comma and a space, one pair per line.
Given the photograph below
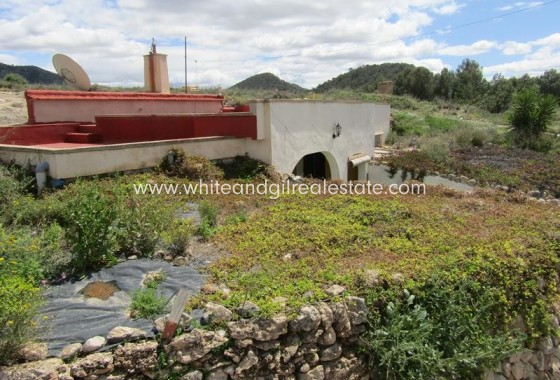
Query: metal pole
186, 88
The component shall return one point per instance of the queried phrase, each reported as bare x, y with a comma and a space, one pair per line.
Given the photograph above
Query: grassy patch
302, 244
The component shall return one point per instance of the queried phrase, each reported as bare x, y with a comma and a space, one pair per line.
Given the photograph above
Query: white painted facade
287, 130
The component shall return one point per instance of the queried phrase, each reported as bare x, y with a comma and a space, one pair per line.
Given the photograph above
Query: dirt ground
12, 108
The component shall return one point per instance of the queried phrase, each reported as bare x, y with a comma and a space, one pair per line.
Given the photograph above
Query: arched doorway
315, 165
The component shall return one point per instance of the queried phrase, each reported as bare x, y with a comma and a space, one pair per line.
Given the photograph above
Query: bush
177, 237
191, 167
147, 303
18, 309
92, 228
208, 218
142, 221
450, 330
531, 116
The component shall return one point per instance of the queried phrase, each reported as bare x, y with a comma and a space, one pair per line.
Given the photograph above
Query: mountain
32, 74
364, 78
267, 81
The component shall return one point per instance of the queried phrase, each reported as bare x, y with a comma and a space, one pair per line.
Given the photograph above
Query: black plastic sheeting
72, 318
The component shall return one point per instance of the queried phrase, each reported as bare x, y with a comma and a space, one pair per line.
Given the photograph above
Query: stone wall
320, 342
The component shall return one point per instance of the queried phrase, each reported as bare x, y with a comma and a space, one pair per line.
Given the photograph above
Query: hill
267, 81
364, 78
32, 74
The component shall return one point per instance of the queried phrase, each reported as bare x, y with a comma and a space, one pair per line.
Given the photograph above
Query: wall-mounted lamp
337, 131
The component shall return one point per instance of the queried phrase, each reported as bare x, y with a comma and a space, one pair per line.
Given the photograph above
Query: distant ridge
33, 74
267, 81
364, 78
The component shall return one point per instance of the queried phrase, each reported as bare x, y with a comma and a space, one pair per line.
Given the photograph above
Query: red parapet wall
117, 129
37, 134
47, 106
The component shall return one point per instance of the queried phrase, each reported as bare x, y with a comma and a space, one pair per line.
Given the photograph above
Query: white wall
298, 128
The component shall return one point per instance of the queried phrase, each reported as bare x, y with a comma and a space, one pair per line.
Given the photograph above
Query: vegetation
531, 116
31, 74
147, 303
267, 81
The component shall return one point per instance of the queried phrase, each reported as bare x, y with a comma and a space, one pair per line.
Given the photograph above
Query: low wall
320, 342
46, 106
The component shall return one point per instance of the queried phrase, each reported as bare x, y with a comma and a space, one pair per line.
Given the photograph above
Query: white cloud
302, 41
520, 5
476, 48
515, 48
449, 9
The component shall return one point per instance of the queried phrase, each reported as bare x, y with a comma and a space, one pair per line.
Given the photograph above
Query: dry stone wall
320, 342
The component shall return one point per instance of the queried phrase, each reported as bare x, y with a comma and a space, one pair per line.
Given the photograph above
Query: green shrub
208, 218
18, 309
176, 238
191, 167
147, 303
142, 220
92, 228
450, 330
436, 150
441, 124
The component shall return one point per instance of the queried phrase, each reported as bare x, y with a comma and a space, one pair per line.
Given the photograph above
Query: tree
549, 82
469, 81
417, 82
531, 115
443, 84
12, 80
499, 95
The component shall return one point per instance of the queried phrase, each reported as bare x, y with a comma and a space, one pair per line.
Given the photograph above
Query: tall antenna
186, 88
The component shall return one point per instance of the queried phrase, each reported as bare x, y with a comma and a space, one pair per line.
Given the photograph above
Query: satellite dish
71, 72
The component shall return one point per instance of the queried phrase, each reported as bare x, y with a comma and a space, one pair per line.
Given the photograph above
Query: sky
302, 41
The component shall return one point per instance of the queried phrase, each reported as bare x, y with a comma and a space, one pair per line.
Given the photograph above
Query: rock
194, 345
335, 290
346, 369
250, 360
357, 310
307, 319
33, 352
305, 368
328, 338
341, 323
526, 355
327, 316
506, 369
93, 344
282, 301
247, 310
218, 374
397, 277
133, 257
70, 351
289, 353
215, 314
167, 257
371, 277
259, 329
41, 370
331, 353
540, 361
94, 364
546, 345
180, 261
317, 373
194, 375
121, 333
137, 358
471, 182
